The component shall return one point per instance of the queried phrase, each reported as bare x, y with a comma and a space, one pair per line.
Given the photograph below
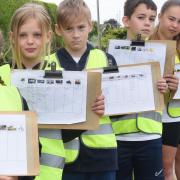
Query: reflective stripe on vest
103, 137
95, 139
5, 73
147, 122
72, 150
173, 107
10, 99
52, 154
52, 158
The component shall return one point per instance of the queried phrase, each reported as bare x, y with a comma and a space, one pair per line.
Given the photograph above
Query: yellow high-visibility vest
173, 107
10, 99
5, 74
52, 158
102, 138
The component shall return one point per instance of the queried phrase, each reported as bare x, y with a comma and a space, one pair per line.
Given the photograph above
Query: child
30, 38
169, 29
11, 100
96, 158
30, 34
139, 135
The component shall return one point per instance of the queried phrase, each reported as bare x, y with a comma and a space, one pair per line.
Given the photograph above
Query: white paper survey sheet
124, 53
129, 91
56, 100
13, 149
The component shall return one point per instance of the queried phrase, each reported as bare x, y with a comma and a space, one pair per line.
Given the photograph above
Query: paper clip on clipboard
111, 69
53, 73
138, 41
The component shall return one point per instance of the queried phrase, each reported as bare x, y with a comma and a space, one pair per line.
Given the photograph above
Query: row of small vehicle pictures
51, 81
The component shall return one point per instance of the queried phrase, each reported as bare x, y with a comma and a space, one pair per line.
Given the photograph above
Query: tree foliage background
7, 9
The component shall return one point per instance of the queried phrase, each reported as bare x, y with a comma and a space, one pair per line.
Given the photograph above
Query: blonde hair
21, 15
69, 10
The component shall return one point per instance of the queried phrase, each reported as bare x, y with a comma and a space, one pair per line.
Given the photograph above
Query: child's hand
162, 86
8, 178
98, 106
172, 82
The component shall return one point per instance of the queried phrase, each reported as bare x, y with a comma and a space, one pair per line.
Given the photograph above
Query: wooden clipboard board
32, 146
170, 55
92, 119
158, 97
156, 75
170, 52
170, 61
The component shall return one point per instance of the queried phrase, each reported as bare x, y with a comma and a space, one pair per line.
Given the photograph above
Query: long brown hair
164, 8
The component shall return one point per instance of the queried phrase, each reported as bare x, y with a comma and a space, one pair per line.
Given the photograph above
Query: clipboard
113, 74
32, 144
91, 120
169, 57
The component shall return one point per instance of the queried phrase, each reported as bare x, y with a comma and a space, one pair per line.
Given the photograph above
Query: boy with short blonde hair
76, 8
93, 155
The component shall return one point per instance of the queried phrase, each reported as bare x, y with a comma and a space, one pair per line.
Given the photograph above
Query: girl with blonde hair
169, 29
30, 35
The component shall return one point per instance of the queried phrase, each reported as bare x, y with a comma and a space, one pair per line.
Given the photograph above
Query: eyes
142, 17
173, 19
35, 35
79, 28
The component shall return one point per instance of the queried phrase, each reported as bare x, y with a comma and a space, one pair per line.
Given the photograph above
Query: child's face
30, 40
75, 35
170, 22
140, 22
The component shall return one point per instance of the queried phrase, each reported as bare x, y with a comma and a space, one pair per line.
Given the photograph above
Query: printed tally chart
13, 147
125, 53
56, 100
129, 91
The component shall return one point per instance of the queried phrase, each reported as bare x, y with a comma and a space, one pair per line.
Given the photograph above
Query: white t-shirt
76, 59
137, 137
